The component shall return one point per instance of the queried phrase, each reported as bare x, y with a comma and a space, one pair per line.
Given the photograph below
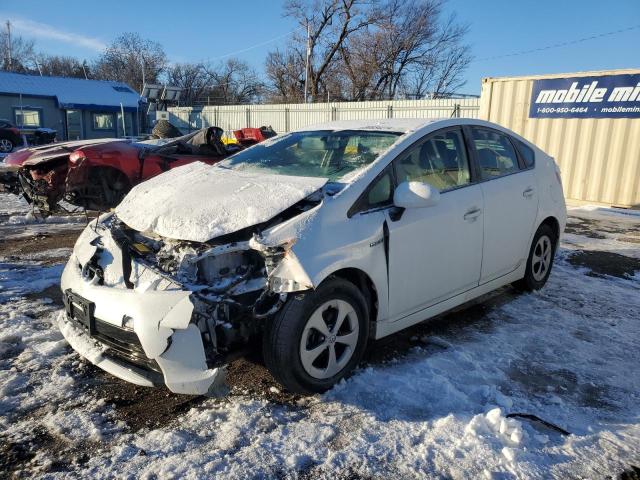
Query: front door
74, 125
435, 252
510, 203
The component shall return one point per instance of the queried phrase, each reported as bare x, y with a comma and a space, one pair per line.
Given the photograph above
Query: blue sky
193, 31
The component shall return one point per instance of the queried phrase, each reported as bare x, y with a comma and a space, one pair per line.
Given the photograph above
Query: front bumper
169, 348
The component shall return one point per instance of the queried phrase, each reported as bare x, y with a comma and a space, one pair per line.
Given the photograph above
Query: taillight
76, 156
15, 130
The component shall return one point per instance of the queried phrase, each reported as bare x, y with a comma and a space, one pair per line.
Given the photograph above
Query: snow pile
199, 202
30, 219
13, 205
506, 431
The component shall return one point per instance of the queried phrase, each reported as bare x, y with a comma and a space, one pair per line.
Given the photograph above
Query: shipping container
599, 157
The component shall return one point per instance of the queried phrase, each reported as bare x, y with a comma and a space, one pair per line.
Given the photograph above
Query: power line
257, 45
558, 45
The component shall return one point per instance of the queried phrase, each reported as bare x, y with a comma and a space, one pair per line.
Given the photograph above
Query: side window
379, 194
28, 117
496, 155
527, 153
440, 160
102, 121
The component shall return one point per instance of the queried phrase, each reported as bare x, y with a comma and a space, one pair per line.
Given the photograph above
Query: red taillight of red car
76, 156
15, 130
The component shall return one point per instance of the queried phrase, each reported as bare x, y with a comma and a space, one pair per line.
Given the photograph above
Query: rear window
527, 153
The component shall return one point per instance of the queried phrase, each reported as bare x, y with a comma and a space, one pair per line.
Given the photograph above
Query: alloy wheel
329, 339
5, 145
541, 258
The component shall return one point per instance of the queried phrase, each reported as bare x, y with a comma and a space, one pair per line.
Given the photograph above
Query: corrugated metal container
599, 157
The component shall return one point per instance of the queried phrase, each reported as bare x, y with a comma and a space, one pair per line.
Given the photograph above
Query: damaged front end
43, 184
153, 310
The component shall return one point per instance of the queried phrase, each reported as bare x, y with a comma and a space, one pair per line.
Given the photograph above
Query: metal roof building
76, 108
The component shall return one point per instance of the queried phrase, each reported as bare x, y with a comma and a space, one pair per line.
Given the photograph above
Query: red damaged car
97, 174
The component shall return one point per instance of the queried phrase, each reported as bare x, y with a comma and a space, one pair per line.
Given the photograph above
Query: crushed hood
199, 202
49, 152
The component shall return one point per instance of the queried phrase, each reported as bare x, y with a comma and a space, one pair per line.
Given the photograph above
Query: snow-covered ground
435, 405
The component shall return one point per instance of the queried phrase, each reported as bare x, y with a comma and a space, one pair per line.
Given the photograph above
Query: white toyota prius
309, 246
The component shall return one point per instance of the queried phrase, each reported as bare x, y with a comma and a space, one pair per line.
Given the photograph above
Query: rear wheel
6, 145
318, 338
540, 260
104, 189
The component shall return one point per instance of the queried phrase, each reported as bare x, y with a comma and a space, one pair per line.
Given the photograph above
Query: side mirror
415, 195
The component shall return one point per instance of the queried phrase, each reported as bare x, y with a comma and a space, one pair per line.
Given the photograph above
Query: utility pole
35, 60
306, 70
84, 70
143, 78
9, 45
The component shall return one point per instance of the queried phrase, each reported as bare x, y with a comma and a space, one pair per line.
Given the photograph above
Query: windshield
325, 153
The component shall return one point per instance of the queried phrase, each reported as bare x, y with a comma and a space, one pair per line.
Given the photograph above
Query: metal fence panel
288, 117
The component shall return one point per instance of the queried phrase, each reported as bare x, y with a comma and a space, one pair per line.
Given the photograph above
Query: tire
540, 259
105, 189
6, 145
164, 129
293, 332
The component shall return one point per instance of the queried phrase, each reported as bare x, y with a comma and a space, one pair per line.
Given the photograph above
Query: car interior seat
488, 159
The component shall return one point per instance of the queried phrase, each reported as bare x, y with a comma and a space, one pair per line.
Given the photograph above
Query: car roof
383, 124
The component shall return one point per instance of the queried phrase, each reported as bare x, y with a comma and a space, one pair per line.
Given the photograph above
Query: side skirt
387, 328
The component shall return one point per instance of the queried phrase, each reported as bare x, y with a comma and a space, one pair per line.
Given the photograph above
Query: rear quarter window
526, 152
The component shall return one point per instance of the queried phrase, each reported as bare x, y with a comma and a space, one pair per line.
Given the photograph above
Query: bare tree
126, 59
371, 50
231, 82
285, 71
440, 78
412, 49
61, 66
330, 23
194, 79
17, 52
234, 82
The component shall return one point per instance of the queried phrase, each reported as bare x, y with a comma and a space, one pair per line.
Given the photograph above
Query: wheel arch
553, 223
365, 284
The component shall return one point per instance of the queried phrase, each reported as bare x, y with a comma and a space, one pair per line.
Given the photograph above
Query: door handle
472, 214
528, 193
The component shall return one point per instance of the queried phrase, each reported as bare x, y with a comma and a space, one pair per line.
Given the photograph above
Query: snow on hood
199, 202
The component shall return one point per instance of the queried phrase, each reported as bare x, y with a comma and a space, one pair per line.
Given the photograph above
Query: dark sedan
10, 136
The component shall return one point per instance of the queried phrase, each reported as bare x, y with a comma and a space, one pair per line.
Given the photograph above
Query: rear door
510, 201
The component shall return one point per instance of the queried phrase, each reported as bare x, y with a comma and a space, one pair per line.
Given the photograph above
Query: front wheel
317, 338
540, 260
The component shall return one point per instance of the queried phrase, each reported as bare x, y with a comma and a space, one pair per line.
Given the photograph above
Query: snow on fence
288, 117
